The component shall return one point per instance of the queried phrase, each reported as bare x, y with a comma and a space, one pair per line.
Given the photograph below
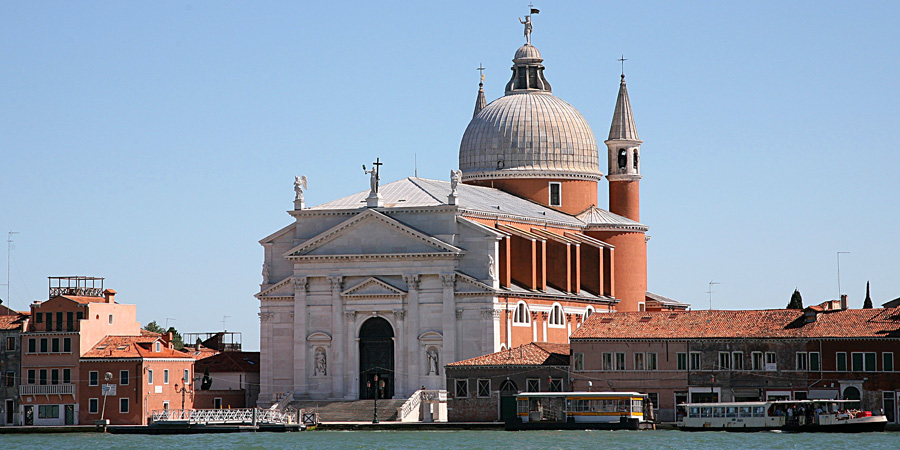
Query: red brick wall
576, 195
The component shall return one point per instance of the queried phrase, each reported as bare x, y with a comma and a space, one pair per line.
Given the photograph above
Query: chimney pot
110, 295
843, 302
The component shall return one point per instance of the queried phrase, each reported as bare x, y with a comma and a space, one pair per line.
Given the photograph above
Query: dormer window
157, 347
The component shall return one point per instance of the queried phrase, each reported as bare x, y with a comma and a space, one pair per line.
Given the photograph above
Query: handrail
46, 389
409, 406
225, 416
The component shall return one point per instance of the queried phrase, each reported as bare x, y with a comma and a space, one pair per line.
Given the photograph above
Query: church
400, 280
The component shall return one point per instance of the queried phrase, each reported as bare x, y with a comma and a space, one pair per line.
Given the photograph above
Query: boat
836, 416
582, 411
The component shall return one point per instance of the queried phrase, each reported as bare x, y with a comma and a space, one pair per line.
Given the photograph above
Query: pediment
373, 287
319, 336
469, 285
431, 336
280, 289
371, 233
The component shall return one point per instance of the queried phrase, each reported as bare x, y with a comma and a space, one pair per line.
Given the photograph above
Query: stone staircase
351, 411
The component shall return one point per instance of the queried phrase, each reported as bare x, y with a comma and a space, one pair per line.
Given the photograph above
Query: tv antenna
710, 292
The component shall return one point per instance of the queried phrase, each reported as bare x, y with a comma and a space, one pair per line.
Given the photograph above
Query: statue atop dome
528, 28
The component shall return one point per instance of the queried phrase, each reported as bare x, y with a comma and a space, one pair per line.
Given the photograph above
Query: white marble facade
424, 270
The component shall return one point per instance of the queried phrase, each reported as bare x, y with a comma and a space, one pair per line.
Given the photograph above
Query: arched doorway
852, 393
376, 357
508, 391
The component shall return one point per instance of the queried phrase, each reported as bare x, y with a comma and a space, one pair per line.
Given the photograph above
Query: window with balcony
67, 376
70, 321
59, 321
54, 376
42, 376
32, 376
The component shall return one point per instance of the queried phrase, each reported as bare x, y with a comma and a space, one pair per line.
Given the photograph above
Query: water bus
785, 415
582, 411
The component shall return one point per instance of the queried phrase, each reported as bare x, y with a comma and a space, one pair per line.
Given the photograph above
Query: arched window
623, 159
521, 314
556, 316
587, 313
635, 159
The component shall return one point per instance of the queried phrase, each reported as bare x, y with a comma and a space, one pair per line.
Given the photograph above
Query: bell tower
624, 156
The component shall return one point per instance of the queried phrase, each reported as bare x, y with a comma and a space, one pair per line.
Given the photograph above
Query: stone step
351, 411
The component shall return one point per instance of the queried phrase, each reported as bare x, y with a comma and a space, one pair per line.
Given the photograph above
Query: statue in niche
300, 184
490, 264
265, 273
321, 362
432, 355
455, 177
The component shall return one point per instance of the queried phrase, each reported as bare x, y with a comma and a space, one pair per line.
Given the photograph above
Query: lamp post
185, 389
375, 412
106, 377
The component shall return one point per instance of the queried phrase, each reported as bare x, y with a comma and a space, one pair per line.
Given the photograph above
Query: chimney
843, 302
110, 295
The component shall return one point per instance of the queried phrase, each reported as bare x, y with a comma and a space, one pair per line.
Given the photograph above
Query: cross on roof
622, 60
480, 70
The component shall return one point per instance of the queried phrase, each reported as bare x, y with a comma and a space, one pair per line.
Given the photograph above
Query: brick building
12, 324
235, 380
482, 389
822, 351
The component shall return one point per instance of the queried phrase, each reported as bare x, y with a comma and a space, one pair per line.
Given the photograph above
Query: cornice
517, 174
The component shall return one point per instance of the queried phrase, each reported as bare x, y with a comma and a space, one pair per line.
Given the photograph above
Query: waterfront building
12, 323
233, 378
822, 352
400, 279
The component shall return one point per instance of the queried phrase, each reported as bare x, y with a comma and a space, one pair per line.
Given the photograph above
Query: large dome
528, 135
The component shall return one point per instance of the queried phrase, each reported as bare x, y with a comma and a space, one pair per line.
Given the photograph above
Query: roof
531, 354
12, 322
230, 362
421, 192
665, 300
758, 324
622, 126
84, 299
132, 347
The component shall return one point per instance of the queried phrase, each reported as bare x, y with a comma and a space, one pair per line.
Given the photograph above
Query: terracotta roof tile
531, 354
230, 362
12, 322
772, 323
132, 347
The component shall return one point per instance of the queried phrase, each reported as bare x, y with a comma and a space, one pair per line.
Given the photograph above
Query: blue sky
153, 143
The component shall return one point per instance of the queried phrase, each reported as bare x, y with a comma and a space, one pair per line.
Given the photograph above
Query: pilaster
448, 281
301, 385
340, 346
412, 332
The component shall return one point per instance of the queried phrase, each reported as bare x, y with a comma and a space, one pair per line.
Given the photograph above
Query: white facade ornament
459, 313
528, 28
300, 183
301, 284
351, 316
431, 355
448, 280
412, 281
265, 273
399, 314
374, 200
455, 178
490, 267
336, 283
321, 368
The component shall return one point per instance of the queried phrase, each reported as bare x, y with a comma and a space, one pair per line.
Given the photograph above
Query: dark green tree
796, 300
206, 383
867, 304
176, 338
153, 327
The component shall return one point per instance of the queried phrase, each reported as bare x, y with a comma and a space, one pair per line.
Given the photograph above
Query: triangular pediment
469, 285
371, 233
280, 289
373, 287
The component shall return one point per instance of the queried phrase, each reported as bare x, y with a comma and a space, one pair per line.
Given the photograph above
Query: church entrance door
376, 358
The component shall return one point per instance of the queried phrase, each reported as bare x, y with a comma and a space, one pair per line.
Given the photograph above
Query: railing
248, 416
46, 389
409, 412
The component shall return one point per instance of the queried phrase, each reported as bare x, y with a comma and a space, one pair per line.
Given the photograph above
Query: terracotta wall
576, 195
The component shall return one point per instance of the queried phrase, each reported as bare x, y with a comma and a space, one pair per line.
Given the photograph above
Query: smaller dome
527, 51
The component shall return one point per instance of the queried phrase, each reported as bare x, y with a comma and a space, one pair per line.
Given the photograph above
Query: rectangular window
79, 315
32, 345
771, 362
217, 403
94, 405
461, 388
10, 378
123, 377
620, 361
695, 361
39, 318
638, 361
32, 376
54, 376
49, 321
607, 361
187, 376
67, 345
44, 346
555, 198
150, 376
724, 361
857, 362
123, 404
11, 344
70, 321
67, 376
59, 322
533, 385
42, 376
814, 363
802, 361
484, 388
653, 397
652, 361
165, 376
110, 319
556, 385
93, 378
166, 405
682, 361
756, 361
887, 361
54, 345
737, 360
579, 360
871, 357
888, 405
48, 412
840, 359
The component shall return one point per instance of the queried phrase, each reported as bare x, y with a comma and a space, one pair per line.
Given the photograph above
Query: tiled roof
132, 347
201, 353
531, 354
84, 299
771, 323
230, 362
12, 322
664, 300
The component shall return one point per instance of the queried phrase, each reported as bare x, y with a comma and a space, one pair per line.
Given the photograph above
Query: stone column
301, 378
495, 326
534, 333
401, 377
341, 352
413, 353
351, 358
449, 315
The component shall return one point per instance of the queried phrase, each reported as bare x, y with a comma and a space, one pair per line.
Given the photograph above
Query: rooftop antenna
8, 249
223, 322
416, 165
710, 292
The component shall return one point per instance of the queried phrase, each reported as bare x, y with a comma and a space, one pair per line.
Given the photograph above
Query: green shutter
857, 362
870, 362
813, 361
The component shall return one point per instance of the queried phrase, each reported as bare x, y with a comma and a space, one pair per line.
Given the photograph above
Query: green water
488, 440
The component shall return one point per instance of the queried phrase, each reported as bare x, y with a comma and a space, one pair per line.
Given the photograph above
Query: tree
867, 304
796, 300
153, 327
176, 338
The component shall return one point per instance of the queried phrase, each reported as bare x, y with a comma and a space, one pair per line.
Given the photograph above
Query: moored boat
785, 415
582, 411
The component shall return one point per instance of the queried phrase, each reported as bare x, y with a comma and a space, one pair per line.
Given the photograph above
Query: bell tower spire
624, 155
480, 102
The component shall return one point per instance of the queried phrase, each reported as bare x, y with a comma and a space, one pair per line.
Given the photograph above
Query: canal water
487, 440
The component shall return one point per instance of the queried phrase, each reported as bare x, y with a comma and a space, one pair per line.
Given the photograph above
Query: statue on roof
300, 184
374, 175
528, 28
455, 177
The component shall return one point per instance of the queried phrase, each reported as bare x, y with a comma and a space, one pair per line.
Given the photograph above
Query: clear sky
154, 143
